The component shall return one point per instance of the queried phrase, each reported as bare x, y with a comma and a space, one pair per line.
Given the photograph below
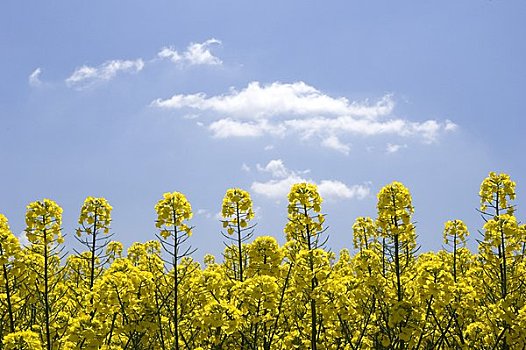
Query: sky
129, 100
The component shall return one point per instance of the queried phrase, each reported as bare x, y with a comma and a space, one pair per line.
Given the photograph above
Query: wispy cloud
86, 76
337, 189
450, 126
277, 99
333, 142
283, 178
205, 213
393, 148
195, 54
225, 128
34, 78
283, 109
245, 168
276, 168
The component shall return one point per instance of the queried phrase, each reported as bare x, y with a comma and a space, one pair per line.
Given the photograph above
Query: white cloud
450, 126
333, 142
337, 189
276, 168
428, 131
170, 53
195, 54
200, 53
225, 128
86, 76
34, 78
283, 109
245, 168
393, 148
268, 147
277, 99
283, 179
205, 213
276, 189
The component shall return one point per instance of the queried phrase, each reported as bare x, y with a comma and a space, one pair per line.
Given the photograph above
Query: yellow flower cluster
501, 227
455, 232
304, 195
95, 214
22, 340
380, 295
236, 209
304, 213
364, 230
172, 210
9, 244
264, 256
44, 222
395, 210
495, 191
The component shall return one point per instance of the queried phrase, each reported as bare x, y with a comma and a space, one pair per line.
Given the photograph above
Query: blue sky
128, 100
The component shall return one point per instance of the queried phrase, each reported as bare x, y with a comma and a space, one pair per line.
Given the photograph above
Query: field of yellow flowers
262, 295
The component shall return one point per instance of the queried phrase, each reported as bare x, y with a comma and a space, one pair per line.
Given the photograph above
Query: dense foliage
263, 296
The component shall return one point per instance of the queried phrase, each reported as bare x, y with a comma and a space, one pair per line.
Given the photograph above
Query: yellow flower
172, 211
